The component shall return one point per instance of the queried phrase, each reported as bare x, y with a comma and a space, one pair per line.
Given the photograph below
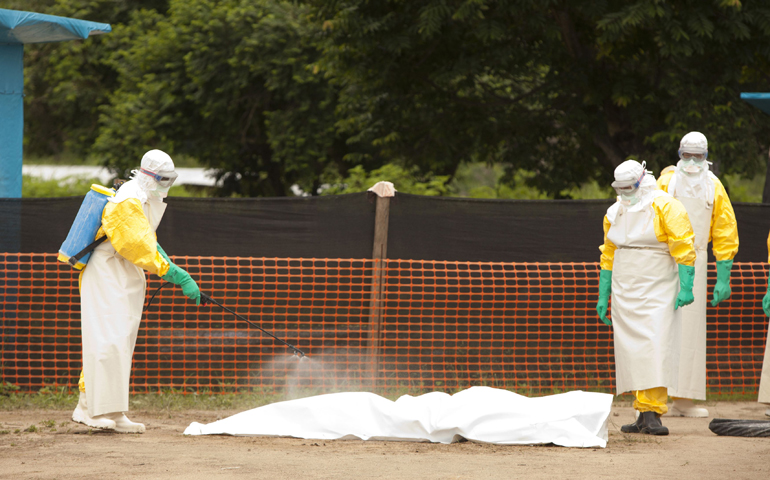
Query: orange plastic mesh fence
434, 325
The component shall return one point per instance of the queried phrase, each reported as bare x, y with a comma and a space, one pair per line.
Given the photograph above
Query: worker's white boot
80, 415
123, 424
767, 412
684, 407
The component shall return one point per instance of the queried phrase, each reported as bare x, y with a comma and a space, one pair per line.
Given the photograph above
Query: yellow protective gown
713, 220
112, 290
723, 228
642, 246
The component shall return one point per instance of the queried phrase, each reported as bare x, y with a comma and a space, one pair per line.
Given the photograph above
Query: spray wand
206, 299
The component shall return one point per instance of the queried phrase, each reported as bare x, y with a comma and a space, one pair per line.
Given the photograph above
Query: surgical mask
629, 199
160, 192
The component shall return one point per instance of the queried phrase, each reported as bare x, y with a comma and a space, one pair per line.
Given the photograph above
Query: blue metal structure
759, 100
18, 28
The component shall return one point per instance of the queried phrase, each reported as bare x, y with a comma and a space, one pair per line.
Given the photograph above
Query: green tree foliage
27, 5
229, 83
276, 93
405, 179
566, 90
66, 82
32, 187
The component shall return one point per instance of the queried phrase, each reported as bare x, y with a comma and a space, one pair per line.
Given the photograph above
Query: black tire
740, 428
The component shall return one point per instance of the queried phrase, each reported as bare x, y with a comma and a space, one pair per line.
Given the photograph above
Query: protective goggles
164, 179
629, 186
697, 157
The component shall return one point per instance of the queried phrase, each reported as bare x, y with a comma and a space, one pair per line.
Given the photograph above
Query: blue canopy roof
759, 100
17, 27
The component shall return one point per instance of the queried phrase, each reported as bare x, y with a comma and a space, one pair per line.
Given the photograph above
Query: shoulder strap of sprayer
73, 260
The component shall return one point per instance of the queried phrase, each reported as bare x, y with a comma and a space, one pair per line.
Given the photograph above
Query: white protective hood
155, 161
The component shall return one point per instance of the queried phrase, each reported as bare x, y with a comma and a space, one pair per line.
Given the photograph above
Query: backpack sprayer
207, 299
77, 247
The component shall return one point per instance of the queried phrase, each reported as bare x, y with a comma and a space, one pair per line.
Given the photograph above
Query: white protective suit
712, 217
113, 286
764, 381
644, 242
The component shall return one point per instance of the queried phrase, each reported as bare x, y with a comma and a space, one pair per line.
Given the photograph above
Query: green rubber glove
722, 288
686, 279
605, 290
178, 276
766, 300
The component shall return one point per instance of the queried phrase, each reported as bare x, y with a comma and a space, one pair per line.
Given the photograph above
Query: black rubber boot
651, 424
635, 427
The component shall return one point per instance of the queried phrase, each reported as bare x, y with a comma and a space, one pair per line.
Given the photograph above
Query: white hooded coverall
764, 381
112, 290
643, 244
713, 219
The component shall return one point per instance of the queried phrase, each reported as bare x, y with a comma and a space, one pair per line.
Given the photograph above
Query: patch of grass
49, 397
48, 423
7, 388
31, 429
65, 398
743, 189
32, 187
731, 397
174, 401
4, 432
63, 159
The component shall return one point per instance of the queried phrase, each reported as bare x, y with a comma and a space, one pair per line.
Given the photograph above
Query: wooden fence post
384, 191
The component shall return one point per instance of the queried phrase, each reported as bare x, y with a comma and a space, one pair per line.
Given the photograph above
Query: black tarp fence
302, 268
420, 227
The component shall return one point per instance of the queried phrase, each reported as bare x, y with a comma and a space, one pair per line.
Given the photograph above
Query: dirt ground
60, 448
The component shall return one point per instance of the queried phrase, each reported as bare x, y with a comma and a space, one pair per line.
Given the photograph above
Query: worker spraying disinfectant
112, 288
